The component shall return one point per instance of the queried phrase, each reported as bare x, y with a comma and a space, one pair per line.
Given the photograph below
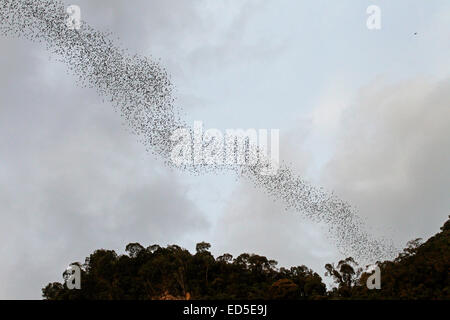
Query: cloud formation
73, 179
392, 156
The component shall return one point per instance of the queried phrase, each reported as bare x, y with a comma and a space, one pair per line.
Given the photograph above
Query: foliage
173, 272
421, 271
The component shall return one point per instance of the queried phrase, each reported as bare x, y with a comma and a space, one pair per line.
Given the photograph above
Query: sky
363, 113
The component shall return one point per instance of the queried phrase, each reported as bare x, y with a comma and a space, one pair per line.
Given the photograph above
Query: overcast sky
362, 113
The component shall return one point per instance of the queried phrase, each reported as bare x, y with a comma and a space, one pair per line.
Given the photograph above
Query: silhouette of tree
421, 271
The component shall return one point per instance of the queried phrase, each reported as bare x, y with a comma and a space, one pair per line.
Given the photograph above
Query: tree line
421, 271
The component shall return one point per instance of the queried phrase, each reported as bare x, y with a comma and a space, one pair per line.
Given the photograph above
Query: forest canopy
421, 271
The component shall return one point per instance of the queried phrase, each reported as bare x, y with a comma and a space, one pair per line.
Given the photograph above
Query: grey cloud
392, 157
72, 178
